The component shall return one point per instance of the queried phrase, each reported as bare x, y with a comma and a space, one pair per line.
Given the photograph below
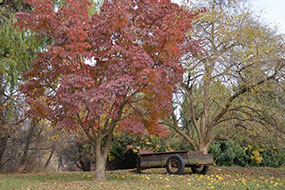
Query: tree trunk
100, 167
49, 158
3, 131
26, 148
102, 150
3, 144
203, 146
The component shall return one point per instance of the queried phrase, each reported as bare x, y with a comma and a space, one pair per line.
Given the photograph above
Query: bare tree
241, 60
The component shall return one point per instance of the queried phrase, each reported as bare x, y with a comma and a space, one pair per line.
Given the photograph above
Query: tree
241, 60
110, 71
271, 121
16, 52
18, 135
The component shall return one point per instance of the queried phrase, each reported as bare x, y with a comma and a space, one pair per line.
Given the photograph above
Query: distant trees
16, 52
20, 137
232, 81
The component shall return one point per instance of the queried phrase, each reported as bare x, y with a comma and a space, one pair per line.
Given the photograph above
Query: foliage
124, 145
17, 50
227, 84
229, 153
226, 153
125, 149
115, 69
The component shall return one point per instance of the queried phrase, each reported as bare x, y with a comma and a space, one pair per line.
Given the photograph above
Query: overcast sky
272, 12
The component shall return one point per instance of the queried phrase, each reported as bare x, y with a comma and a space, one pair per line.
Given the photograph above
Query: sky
272, 12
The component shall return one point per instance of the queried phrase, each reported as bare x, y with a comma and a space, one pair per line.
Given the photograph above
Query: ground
217, 178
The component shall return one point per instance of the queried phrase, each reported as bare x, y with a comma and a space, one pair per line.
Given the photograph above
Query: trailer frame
175, 161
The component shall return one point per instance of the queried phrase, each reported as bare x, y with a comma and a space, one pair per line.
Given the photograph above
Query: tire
175, 164
199, 169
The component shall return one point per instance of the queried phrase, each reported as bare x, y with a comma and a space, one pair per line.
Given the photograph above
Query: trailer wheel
199, 169
175, 164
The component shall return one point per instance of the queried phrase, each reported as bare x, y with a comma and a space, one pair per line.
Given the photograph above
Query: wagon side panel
196, 158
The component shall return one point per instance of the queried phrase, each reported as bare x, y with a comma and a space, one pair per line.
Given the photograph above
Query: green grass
227, 178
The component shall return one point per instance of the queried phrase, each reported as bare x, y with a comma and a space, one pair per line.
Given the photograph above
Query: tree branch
236, 95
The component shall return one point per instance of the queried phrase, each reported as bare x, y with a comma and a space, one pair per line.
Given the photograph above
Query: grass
228, 178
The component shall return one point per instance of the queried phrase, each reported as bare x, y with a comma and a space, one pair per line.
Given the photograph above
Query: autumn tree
242, 60
108, 72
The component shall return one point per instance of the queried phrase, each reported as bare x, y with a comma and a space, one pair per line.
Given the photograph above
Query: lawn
217, 178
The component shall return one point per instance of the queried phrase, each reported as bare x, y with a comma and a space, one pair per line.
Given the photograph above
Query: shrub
229, 153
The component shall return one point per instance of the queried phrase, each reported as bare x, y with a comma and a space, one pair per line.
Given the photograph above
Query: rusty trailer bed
148, 159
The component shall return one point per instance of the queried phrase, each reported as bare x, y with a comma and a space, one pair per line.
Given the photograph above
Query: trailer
175, 161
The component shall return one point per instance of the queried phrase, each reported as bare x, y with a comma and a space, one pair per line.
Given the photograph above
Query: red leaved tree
108, 72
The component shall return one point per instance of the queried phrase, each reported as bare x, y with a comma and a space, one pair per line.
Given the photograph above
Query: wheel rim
173, 165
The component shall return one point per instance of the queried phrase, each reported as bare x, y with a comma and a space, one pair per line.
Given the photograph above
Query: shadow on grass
162, 171
60, 177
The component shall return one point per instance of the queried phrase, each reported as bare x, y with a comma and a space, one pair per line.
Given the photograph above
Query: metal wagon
175, 162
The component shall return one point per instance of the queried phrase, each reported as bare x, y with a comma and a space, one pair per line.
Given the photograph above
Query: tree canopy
112, 70
242, 60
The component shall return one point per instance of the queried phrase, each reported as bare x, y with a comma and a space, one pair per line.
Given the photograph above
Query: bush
125, 148
272, 157
228, 153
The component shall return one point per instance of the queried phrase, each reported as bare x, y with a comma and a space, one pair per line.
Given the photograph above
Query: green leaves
17, 52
